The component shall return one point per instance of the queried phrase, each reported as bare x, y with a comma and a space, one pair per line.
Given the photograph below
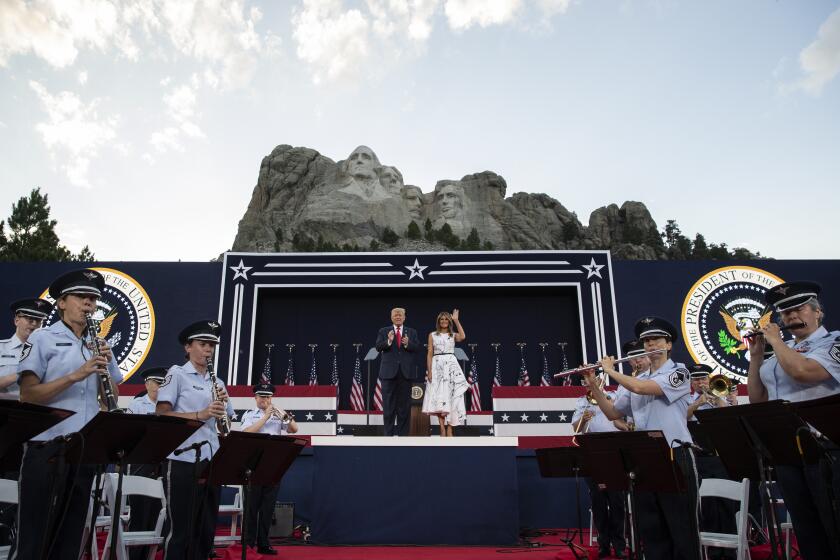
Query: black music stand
632, 461
249, 458
822, 414
20, 422
701, 437
115, 437
565, 462
768, 431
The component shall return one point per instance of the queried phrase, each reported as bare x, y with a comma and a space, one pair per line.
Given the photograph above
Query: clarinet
106, 393
223, 423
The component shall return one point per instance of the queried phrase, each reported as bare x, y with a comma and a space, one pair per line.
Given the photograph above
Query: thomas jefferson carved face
414, 201
449, 201
390, 178
362, 163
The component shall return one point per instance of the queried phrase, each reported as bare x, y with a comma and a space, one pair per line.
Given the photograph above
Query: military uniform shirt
142, 405
52, 353
189, 391
599, 422
704, 406
666, 412
272, 426
9, 360
823, 347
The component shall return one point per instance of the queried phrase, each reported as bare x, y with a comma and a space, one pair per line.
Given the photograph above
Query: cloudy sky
145, 120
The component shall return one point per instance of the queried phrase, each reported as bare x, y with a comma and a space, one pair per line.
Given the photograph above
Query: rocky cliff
304, 201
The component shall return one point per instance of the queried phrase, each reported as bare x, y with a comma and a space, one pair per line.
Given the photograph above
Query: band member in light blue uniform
804, 368
58, 369
29, 315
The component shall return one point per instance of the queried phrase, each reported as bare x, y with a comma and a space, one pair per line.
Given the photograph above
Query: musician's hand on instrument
587, 415
105, 349
608, 363
216, 409
96, 364
732, 399
772, 333
703, 399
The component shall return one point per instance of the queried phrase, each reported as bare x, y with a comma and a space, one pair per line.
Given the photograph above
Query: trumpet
282, 415
720, 387
596, 367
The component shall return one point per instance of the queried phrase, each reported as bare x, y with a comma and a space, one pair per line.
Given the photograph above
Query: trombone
720, 387
595, 367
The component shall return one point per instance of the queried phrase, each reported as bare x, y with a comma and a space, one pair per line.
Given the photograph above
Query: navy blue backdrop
184, 292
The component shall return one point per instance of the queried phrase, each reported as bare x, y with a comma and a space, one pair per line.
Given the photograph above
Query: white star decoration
340, 429
241, 271
490, 430
416, 270
543, 417
309, 416
505, 417
524, 417
328, 416
593, 269
562, 417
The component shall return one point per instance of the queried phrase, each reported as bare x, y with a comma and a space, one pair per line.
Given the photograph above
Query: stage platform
415, 490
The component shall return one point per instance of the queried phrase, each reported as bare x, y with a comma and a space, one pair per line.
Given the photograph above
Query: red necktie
399, 338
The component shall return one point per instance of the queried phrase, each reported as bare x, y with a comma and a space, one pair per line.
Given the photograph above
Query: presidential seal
722, 307
126, 319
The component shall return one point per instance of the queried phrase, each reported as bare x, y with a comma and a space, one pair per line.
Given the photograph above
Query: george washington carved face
362, 163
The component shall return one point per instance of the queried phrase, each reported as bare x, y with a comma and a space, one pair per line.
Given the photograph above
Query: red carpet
546, 547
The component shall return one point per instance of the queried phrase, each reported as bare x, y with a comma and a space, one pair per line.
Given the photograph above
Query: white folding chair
8, 495
739, 492
235, 511
102, 521
134, 486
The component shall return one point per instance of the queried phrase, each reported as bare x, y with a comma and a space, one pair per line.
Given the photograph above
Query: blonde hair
443, 315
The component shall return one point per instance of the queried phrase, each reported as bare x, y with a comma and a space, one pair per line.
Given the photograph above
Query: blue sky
145, 121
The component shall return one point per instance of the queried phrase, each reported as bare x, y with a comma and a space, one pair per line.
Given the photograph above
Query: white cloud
180, 108
463, 14
83, 77
820, 61
73, 131
216, 33
334, 41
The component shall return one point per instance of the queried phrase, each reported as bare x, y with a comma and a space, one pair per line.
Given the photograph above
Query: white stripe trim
364, 441
465, 272
598, 347
601, 332
546, 404
326, 265
348, 273
544, 429
495, 263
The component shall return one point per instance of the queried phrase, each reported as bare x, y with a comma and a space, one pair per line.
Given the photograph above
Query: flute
589, 367
784, 328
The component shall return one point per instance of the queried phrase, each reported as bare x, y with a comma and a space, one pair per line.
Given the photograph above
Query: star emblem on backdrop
416, 270
241, 271
593, 269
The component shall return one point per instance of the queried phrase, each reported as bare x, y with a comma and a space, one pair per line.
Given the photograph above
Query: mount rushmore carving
303, 198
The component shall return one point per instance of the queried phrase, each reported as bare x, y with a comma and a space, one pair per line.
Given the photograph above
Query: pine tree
413, 231
32, 233
390, 237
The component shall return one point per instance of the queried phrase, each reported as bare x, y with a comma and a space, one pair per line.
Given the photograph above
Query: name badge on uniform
198, 388
64, 344
8, 356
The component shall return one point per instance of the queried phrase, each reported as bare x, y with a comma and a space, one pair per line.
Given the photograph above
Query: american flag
313, 372
497, 375
334, 370
357, 399
475, 390
524, 380
290, 369
545, 378
266, 376
377, 395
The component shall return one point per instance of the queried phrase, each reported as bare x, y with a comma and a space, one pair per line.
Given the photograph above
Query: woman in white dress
446, 383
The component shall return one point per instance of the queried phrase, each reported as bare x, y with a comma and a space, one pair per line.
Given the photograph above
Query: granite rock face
303, 198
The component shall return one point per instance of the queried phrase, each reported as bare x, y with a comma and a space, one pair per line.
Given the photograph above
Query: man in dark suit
397, 345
